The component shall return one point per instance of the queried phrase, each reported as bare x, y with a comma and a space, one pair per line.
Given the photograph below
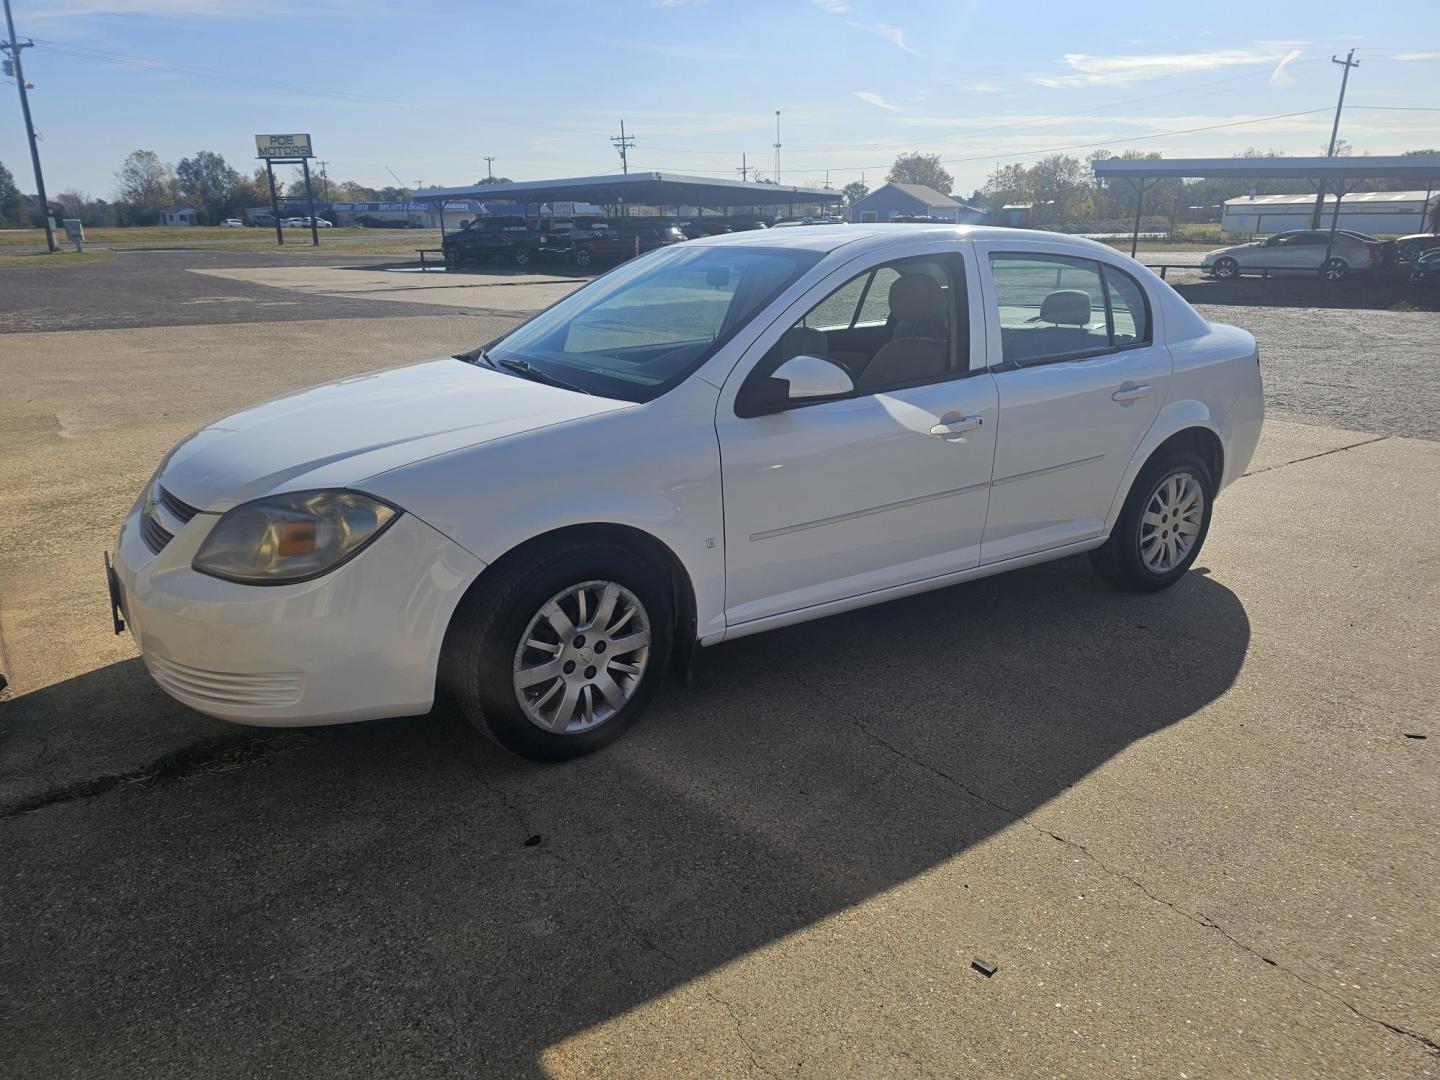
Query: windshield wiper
530, 371
477, 355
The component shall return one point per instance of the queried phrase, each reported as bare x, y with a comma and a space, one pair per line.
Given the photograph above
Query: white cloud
1281, 77
875, 99
1090, 70
893, 34
832, 7
1418, 56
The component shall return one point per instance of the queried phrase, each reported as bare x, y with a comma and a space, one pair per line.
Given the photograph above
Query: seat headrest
1067, 307
917, 298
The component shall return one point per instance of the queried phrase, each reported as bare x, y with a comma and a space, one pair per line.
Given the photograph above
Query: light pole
13, 48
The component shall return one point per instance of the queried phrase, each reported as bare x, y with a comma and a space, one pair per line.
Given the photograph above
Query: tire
453, 257
1225, 269
1123, 560
521, 255
1411, 251
488, 658
583, 256
1334, 270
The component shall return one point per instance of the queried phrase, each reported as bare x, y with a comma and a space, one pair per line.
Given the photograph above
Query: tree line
145, 186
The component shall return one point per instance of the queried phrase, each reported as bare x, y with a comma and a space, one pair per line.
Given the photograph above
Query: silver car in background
1300, 253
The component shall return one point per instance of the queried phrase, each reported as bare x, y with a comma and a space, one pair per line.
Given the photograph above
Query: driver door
879, 487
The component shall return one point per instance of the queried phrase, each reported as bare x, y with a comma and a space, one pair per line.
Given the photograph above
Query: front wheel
584, 256
1225, 269
563, 651
1161, 527
453, 257
1335, 269
522, 256
1411, 251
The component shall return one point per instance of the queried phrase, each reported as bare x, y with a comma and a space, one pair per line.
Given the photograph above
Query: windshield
641, 329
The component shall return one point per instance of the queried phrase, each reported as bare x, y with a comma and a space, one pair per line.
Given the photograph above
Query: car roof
827, 238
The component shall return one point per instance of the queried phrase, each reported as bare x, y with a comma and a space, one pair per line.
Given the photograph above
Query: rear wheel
453, 257
522, 256
584, 256
1411, 251
1334, 269
1162, 525
1225, 269
563, 651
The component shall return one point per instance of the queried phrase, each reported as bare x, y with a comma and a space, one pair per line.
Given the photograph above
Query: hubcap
1171, 522
582, 657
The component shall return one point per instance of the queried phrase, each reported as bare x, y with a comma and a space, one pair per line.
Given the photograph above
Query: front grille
153, 533
183, 511
255, 690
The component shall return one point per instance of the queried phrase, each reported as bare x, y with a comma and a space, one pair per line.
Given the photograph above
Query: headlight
295, 537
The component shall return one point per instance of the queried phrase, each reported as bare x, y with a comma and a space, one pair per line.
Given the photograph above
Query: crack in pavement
1312, 457
1200, 919
218, 753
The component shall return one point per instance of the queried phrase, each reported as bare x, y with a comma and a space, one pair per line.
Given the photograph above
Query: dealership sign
283, 146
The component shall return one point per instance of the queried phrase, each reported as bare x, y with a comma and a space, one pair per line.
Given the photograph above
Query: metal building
1364, 211
895, 201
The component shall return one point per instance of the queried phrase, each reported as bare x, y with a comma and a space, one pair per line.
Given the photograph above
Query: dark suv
482, 240
612, 243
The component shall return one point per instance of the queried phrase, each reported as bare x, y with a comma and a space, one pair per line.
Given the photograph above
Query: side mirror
811, 377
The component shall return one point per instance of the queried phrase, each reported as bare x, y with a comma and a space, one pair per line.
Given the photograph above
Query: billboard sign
283, 146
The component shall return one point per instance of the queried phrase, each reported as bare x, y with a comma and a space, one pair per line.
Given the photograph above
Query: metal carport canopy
642, 188
1409, 167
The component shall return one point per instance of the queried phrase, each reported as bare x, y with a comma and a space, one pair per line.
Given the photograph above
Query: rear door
1080, 376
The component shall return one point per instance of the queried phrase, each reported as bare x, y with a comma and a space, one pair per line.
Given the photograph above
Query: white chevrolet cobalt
722, 437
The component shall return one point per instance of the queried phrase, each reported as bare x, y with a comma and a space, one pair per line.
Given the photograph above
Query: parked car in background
1302, 252
1426, 269
511, 239
693, 230
294, 223
1409, 248
617, 243
723, 437
232, 223
791, 222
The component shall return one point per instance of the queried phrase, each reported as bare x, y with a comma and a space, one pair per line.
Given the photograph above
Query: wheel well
1198, 440
642, 543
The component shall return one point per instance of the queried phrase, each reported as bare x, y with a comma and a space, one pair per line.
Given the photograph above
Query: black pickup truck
483, 240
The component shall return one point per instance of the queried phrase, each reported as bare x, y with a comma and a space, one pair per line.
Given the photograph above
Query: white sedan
721, 437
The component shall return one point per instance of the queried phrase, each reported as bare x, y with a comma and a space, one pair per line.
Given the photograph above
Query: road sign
283, 146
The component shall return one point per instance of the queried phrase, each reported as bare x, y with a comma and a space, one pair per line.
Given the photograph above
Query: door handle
1131, 393
957, 427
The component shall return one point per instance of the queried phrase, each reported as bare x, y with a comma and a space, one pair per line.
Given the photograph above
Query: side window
1050, 306
900, 324
1129, 312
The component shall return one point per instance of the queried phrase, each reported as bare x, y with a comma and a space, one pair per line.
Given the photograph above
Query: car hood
339, 433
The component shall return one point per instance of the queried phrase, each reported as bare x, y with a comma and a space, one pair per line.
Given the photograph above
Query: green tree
917, 168
146, 185
14, 209
855, 191
207, 182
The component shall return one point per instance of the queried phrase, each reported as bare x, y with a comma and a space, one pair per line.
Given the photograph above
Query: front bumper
360, 643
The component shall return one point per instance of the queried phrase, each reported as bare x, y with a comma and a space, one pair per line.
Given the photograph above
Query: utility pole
624, 143
490, 169
1348, 63
777, 146
324, 181
13, 48
744, 169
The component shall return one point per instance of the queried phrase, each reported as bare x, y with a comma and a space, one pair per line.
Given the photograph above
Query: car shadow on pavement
403, 898
1362, 292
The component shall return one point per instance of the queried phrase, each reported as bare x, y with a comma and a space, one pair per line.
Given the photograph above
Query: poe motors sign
286, 147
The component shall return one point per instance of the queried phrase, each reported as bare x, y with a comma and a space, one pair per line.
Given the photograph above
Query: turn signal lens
287, 538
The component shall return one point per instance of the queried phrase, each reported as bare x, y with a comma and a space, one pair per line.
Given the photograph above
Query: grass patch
210, 238
52, 258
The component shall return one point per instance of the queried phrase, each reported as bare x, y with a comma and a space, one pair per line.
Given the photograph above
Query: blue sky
427, 88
